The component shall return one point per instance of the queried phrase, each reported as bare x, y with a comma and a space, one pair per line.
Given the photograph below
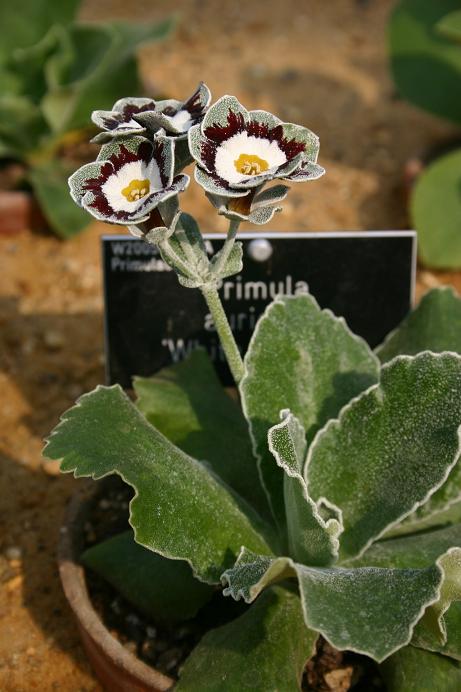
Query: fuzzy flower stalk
137, 178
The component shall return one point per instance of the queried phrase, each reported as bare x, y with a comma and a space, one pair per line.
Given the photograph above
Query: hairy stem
228, 342
227, 247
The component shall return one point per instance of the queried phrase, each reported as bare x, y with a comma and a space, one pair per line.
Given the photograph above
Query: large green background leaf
180, 510
23, 25
391, 448
162, 589
304, 359
436, 211
49, 182
98, 66
415, 670
264, 649
435, 325
426, 64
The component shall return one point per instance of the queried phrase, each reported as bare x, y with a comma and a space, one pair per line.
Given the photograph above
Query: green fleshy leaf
180, 510
162, 589
189, 405
21, 124
435, 519
49, 182
21, 29
420, 550
369, 610
391, 448
415, 670
435, 325
436, 212
266, 648
435, 630
311, 540
425, 64
431, 631
450, 26
304, 359
452, 619
99, 66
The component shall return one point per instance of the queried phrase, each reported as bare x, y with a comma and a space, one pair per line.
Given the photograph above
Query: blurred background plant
54, 71
425, 53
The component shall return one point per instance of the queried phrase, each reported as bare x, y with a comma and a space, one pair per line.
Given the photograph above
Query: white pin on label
260, 249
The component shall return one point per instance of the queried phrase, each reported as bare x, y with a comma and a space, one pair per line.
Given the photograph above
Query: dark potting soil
167, 647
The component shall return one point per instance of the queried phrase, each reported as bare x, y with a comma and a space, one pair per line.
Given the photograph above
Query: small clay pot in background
19, 211
117, 669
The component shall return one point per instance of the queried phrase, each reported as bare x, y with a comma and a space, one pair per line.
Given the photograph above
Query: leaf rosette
312, 494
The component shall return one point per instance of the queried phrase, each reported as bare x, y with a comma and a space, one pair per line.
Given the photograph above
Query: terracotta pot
117, 669
19, 211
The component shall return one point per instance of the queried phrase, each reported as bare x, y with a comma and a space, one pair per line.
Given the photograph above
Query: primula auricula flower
238, 151
140, 115
128, 180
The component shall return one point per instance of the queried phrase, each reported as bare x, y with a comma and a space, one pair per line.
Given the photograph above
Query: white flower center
127, 187
242, 155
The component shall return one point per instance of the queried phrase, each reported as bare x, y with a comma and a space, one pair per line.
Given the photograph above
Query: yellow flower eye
136, 190
250, 164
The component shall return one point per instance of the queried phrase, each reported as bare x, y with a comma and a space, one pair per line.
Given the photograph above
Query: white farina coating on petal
242, 143
135, 170
181, 119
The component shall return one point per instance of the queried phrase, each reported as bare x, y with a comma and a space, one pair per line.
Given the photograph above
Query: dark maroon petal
113, 121
131, 109
94, 184
194, 106
125, 155
218, 133
208, 153
220, 181
159, 156
290, 147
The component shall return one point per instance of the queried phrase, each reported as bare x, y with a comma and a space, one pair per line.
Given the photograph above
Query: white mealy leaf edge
281, 300
336, 421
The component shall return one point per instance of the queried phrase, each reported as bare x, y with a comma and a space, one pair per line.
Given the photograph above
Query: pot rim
73, 581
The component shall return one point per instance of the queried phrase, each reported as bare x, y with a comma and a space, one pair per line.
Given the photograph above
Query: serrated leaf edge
282, 300
288, 568
330, 525
336, 421
78, 404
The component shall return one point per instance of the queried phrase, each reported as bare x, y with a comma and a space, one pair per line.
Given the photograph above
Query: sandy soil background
322, 64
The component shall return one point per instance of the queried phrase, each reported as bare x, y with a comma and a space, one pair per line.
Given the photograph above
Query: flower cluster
146, 144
